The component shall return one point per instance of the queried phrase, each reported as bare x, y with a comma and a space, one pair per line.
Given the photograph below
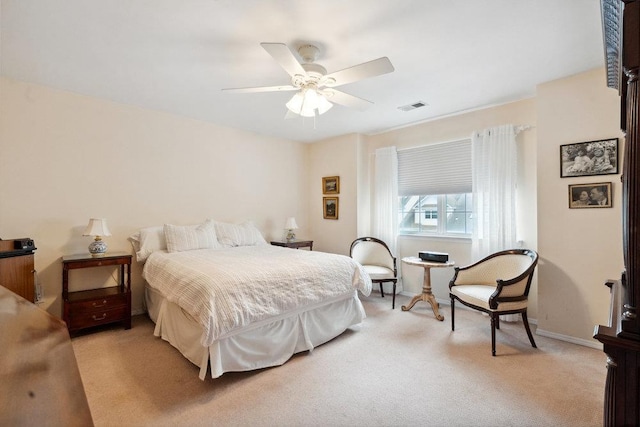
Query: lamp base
291, 236
97, 247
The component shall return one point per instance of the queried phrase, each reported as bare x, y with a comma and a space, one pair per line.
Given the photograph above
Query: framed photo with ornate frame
330, 207
589, 158
596, 195
331, 185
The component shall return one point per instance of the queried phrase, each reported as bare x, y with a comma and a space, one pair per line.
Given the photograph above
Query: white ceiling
177, 55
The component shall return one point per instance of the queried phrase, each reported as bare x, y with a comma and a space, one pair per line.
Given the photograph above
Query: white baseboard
541, 332
567, 338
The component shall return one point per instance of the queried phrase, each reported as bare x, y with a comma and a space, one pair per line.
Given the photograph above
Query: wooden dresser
17, 268
41, 383
621, 337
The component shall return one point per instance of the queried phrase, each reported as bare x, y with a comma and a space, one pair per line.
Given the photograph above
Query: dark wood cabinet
621, 337
17, 270
41, 383
93, 307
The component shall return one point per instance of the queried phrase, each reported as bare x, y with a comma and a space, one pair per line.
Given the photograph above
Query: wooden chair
496, 285
378, 261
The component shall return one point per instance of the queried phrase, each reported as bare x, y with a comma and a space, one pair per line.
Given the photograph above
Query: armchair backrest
372, 251
511, 271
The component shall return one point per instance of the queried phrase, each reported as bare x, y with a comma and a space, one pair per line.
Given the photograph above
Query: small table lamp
97, 227
291, 225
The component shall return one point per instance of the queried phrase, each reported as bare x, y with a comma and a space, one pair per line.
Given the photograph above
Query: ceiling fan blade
261, 89
362, 71
346, 100
283, 56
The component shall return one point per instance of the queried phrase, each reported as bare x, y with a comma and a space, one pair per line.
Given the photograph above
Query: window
434, 183
420, 214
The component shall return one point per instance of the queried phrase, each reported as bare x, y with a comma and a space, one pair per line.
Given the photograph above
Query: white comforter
226, 289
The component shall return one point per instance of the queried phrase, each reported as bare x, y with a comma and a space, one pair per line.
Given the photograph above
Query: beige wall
580, 248
65, 158
334, 157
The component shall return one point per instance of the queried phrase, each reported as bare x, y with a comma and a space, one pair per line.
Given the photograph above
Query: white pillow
245, 234
190, 237
148, 240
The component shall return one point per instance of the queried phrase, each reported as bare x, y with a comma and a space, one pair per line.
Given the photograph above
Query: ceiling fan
315, 88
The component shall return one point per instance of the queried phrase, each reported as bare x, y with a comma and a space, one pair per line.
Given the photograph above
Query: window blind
435, 169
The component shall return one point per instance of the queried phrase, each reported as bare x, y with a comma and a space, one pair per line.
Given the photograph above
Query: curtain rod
517, 129
522, 128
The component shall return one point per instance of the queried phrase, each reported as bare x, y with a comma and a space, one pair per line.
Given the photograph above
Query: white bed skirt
261, 345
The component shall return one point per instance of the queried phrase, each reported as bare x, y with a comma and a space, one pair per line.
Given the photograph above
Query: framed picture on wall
597, 195
330, 210
331, 185
589, 158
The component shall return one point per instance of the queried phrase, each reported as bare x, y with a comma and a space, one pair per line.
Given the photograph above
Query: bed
228, 301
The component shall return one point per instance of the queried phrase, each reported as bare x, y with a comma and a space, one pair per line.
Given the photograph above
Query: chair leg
393, 300
526, 326
453, 323
493, 333
497, 321
381, 290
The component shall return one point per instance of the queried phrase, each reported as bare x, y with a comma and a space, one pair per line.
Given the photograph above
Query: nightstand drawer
78, 320
99, 304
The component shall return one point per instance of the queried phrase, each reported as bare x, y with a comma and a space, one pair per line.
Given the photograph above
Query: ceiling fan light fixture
307, 101
299, 104
295, 103
311, 98
323, 104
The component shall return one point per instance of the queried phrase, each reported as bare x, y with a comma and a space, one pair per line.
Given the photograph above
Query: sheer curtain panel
494, 175
385, 197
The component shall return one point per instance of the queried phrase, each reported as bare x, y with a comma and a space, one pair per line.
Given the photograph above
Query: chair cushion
478, 295
378, 273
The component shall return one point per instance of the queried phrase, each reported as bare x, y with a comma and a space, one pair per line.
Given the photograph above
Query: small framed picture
589, 158
330, 210
331, 185
597, 195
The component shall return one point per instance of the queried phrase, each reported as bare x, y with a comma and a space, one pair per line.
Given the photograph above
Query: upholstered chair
497, 285
378, 261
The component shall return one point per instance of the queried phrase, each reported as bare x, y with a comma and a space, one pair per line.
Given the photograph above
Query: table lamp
97, 227
291, 225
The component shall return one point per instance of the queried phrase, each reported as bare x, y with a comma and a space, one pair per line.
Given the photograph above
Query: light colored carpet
397, 369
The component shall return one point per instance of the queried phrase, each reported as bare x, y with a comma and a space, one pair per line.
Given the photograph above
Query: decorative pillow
245, 234
148, 240
190, 237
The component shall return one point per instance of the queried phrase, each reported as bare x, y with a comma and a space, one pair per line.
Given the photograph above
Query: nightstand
93, 307
296, 244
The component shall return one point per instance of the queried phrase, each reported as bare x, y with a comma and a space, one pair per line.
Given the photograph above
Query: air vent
413, 106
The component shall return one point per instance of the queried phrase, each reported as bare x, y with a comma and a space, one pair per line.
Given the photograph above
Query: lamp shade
323, 105
97, 227
307, 101
295, 103
291, 224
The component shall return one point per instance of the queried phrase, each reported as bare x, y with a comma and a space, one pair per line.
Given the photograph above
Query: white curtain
385, 197
494, 175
